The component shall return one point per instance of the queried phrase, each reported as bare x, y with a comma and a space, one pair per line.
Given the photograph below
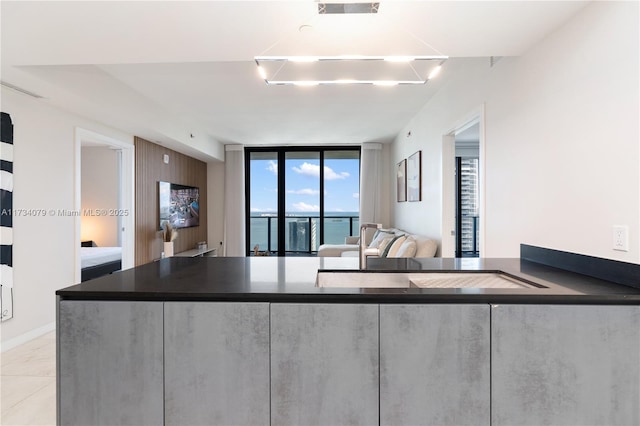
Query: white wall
100, 190
43, 247
215, 204
562, 139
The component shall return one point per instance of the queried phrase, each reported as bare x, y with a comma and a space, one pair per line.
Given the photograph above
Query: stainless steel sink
366, 279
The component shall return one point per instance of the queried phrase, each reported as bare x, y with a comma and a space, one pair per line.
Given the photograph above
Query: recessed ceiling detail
345, 8
20, 89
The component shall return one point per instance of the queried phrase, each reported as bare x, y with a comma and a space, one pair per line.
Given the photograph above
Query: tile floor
28, 383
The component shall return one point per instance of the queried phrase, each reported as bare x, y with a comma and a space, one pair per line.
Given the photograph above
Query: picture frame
414, 177
401, 176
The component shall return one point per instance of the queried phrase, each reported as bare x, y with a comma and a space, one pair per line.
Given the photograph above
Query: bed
98, 261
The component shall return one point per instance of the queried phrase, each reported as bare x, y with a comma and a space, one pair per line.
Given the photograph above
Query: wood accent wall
150, 169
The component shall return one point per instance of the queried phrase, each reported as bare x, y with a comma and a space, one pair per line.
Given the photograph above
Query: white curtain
234, 207
370, 183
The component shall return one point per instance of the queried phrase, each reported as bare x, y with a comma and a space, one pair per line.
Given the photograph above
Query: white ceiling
168, 70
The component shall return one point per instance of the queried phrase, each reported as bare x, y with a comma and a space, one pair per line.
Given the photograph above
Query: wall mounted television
179, 205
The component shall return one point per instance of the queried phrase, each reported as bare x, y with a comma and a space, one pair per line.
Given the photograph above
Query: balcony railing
302, 233
470, 236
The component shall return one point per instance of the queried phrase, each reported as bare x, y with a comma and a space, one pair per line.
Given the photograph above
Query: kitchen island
256, 341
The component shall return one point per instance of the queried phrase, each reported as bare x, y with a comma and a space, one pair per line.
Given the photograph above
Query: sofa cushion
393, 247
354, 239
350, 254
407, 249
386, 242
335, 250
367, 252
425, 247
380, 236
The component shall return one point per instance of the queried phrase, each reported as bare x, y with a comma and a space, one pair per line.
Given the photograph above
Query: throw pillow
385, 252
408, 249
394, 246
384, 244
380, 235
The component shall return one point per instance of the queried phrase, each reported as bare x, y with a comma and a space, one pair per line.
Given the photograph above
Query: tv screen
179, 205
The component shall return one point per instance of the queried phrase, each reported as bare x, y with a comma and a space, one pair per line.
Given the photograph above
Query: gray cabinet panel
216, 363
434, 365
324, 364
110, 363
565, 365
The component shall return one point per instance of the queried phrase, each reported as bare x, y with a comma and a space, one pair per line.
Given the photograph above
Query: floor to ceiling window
467, 203
299, 198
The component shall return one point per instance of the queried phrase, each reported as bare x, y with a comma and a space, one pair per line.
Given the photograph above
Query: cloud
305, 191
307, 169
257, 210
356, 195
313, 170
331, 175
304, 207
273, 167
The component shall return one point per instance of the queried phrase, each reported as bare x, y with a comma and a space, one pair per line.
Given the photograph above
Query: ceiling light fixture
349, 58
343, 69
303, 58
434, 72
305, 83
386, 83
400, 58
327, 70
346, 8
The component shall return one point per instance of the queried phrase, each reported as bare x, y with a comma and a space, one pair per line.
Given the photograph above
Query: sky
302, 185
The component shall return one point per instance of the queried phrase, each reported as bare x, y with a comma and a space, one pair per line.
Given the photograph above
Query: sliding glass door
300, 197
342, 195
262, 179
302, 201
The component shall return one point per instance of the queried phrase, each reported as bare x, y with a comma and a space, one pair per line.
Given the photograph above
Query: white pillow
378, 237
408, 249
395, 247
385, 241
425, 247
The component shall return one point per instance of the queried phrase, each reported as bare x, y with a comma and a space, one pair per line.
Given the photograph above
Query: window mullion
321, 218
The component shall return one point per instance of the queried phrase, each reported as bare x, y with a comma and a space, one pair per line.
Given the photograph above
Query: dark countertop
292, 279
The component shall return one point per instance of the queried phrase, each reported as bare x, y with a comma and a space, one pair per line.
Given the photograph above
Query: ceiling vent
345, 8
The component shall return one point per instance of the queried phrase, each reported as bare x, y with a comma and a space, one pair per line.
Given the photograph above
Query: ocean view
303, 229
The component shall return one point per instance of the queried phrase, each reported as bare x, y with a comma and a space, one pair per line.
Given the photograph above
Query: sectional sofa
391, 242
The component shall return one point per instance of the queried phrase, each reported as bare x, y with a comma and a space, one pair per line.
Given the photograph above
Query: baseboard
24, 338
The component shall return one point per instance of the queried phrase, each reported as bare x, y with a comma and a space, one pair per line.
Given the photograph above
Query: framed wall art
414, 177
6, 216
401, 176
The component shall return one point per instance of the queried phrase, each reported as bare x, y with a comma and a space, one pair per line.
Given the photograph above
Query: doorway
467, 159
463, 177
113, 223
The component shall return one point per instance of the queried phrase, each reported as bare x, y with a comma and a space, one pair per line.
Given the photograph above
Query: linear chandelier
348, 69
